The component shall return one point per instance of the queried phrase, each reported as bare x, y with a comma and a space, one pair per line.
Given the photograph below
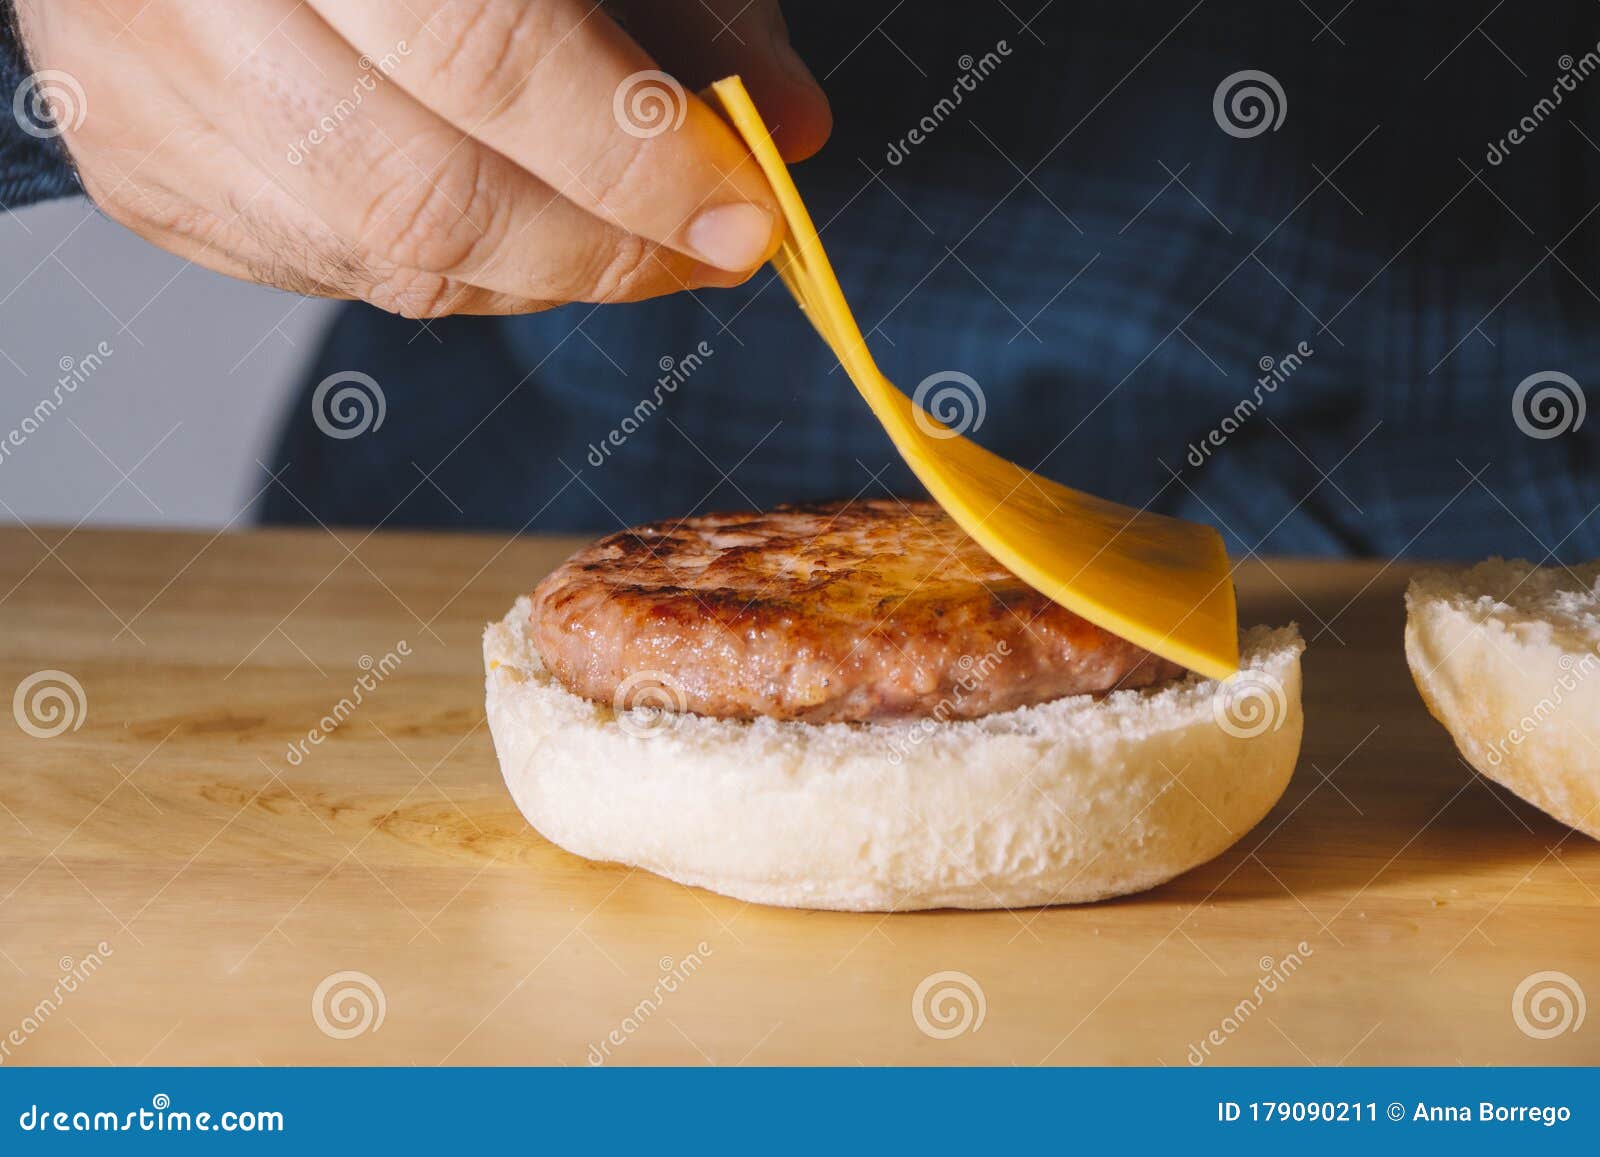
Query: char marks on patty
876, 609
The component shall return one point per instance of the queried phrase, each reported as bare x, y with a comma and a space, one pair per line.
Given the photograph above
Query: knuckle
416, 294
439, 222
617, 272
616, 180
486, 49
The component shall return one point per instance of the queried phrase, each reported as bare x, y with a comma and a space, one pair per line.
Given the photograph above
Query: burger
852, 706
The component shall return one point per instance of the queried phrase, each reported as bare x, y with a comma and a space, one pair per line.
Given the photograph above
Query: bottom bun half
1075, 800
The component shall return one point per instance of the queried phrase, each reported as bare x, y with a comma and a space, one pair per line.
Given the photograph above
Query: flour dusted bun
1507, 657
1068, 801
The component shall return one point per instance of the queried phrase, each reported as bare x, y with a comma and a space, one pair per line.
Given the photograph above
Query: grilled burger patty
825, 612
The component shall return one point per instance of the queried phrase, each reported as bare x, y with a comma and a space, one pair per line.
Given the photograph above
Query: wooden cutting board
199, 886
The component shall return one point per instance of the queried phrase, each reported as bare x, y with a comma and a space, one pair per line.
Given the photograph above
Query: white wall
199, 370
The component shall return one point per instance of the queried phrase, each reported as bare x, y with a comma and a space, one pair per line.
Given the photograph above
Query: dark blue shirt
1311, 336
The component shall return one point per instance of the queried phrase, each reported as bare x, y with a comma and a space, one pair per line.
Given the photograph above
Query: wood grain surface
212, 883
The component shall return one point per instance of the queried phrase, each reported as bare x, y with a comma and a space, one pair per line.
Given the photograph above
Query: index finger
560, 89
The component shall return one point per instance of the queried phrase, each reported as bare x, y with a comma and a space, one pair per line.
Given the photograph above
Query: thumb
705, 41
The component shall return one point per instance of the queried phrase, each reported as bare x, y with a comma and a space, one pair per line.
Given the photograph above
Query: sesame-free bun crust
1074, 800
1507, 656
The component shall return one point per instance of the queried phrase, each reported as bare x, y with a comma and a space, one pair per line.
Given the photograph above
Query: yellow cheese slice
1159, 582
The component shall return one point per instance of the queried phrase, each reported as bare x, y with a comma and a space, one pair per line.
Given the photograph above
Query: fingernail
732, 236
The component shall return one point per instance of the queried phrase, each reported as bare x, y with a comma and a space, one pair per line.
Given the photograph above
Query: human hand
447, 156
